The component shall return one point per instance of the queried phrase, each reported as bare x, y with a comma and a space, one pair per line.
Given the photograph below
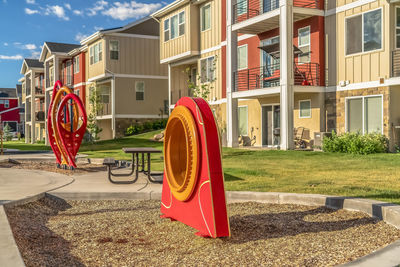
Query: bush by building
146, 127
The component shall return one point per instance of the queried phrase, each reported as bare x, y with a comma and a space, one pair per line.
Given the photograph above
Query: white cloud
35, 54
5, 44
16, 57
5, 1
29, 46
67, 6
80, 36
30, 2
57, 11
98, 6
78, 12
31, 11
98, 28
129, 10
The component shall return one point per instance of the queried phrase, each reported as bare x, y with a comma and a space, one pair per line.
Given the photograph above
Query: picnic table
137, 164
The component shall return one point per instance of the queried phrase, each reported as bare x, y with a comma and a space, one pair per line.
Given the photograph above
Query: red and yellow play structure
66, 125
193, 188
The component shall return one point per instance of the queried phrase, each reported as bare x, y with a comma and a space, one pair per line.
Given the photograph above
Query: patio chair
298, 138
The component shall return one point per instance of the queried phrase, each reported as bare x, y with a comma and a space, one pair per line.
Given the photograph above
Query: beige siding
136, 56
97, 68
187, 43
179, 85
155, 92
212, 37
216, 90
367, 66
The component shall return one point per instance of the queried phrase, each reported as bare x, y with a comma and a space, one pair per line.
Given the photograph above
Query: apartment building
33, 97
289, 64
123, 66
9, 109
21, 125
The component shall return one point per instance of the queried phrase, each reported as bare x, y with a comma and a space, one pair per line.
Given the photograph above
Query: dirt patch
54, 232
50, 166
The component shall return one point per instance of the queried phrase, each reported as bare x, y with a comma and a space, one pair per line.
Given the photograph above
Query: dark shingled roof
8, 92
61, 47
33, 63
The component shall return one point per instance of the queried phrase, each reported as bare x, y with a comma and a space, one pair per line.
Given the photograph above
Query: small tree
7, 132
204, 86
94, 107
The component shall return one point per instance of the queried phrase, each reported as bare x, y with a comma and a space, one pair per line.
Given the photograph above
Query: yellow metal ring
181, 154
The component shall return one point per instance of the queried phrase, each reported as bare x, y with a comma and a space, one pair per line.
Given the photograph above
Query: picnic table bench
137, 165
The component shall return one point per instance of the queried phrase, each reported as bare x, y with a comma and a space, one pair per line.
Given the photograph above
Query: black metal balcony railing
40, 116
246, 9
307, 74
396, 63
39, 90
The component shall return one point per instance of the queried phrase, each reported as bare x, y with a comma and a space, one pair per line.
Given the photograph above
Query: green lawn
372, 176
22, 146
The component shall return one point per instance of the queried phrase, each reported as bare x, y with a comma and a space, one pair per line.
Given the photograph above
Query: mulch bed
50, 166
55, 232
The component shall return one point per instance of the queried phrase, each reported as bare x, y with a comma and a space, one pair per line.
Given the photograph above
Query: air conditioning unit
319, 137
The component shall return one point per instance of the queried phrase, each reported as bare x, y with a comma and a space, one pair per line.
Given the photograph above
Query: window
96, 53
69, 76
364, 32
242, 57
207, 70
398, 27
182, 23
364, 114
304, 45
62, 76
206, 17
139, 88
6, 103
76, 64
174, 26
241, 7
166, 30
305, 108
243, 116
77, 92
114, 49
51, 70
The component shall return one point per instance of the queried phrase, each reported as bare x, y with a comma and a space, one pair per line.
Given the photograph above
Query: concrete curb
390, 213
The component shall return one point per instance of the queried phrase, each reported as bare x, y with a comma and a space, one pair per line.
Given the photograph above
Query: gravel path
82, 168
53, 232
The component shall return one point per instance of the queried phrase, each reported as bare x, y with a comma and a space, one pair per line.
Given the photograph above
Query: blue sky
26, 24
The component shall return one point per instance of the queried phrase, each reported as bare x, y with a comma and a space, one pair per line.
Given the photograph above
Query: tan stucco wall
106, 132
136, 56
184, 43
155, 92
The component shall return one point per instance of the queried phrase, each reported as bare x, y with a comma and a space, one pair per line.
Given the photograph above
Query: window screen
354, 115
242, 57
305, 109
139, 88
354, 35
242, 116
205, 17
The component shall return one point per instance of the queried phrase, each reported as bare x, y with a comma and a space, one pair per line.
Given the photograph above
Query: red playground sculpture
66, 125
193, 188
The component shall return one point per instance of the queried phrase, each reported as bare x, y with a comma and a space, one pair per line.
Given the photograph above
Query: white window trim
363, 111
305, 117
66, 72
247, 108
6, 103
144, 89
247, 56
94, 53
300, 46
362, 33
109, 44
76, 66
207, 70
245, 10
397, 12
169, 30
184, 22
201, 18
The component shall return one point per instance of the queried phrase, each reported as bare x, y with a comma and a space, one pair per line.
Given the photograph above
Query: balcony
307, 74
396, 63
177, 94
104, 109
40, 116
256, 16
39, 91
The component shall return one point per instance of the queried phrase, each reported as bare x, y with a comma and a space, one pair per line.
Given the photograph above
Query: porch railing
177, 94
396, 63
246, 9
104, 109
39, 90
307, 74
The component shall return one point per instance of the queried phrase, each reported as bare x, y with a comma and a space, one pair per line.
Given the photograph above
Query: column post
33, 108
169, 88
113, 107
231, 67
287, 73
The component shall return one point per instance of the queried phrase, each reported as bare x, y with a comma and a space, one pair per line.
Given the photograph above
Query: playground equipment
66, 125
193, 188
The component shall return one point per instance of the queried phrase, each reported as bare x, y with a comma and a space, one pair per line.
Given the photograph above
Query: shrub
356, 143
146, 127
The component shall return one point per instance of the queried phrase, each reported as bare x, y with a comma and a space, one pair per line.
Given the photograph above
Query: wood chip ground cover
54, 232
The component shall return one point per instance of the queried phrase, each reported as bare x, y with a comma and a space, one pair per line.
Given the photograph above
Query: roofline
31, 68
22, 79
100, 33
168, 8
41, 59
